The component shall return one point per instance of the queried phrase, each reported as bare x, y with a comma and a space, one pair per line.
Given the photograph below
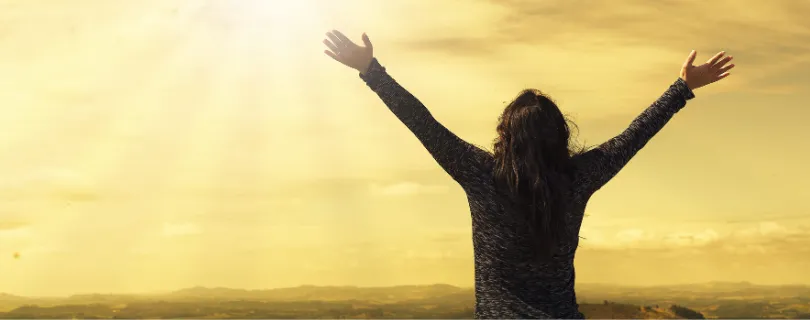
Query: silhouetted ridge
429, 301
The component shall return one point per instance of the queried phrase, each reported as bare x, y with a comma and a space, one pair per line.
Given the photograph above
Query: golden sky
161, 144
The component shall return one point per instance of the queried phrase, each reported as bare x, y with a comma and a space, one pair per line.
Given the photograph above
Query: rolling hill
724, 300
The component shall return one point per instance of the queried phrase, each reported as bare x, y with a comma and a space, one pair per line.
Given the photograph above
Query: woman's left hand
347, 52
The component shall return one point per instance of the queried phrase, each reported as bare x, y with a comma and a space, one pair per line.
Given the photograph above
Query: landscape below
710, 300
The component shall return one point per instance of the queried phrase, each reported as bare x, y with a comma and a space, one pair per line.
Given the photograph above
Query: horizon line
165, 292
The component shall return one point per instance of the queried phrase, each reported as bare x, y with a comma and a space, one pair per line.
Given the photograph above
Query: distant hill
310, 310
8, 301
724, 300
613, 310
715, 299
304, 293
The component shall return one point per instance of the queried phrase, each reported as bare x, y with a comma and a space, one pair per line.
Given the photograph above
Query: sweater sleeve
602, 163
461, 160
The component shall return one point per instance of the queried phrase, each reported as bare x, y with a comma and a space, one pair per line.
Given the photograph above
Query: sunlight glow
277, 13
211, 143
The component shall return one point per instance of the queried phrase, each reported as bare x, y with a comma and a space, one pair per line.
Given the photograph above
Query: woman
528, 197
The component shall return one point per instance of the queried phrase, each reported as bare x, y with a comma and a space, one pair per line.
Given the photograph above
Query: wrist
689, 84
363, 70
684, 88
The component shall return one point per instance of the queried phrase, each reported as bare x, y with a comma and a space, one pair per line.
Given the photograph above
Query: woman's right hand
347, 52
713, 70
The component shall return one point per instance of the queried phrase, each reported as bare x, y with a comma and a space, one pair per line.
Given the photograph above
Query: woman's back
528, 198
510, 282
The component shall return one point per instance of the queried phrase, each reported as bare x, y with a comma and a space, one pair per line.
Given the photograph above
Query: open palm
347, 52
713, 70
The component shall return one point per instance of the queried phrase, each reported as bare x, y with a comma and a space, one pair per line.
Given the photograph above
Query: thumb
690, 59
366, 41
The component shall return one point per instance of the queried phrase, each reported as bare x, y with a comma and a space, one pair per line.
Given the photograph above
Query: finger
330, 45
723, 75
332, 55
335, 40
690, 59
343, 38
716, 57
722, 62
367, 41
725, 69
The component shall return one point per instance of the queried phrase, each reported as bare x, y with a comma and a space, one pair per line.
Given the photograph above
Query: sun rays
171, 111
211, 142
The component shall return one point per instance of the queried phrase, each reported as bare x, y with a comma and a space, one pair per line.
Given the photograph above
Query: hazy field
714, 300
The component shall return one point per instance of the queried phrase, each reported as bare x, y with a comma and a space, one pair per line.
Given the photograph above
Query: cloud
766, 228
50, 184
778, 89
180, 229
645, 239
16, 233
660, 23
632, 236
766, 37
12, 225
452, 237
442, 237
691, 239
766, 236
406, 189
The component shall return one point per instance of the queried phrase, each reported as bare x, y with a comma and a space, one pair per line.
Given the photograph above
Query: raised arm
602, 163
461, 160
457, 157
599, 165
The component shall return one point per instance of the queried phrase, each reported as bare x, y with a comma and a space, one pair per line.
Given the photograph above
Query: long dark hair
533, 164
